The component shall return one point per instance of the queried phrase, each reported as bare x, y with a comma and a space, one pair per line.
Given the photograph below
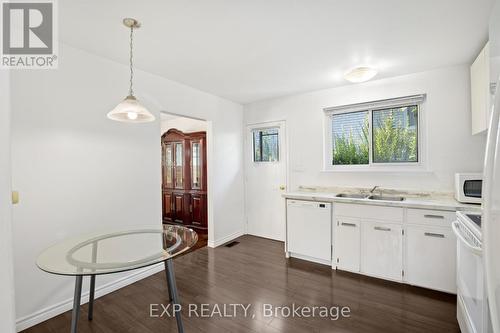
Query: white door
347, 244
382, 250
266, 179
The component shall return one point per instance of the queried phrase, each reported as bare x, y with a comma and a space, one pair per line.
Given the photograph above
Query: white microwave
468, 187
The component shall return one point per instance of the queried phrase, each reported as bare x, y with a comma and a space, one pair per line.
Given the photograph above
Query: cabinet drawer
393, 214
430, 217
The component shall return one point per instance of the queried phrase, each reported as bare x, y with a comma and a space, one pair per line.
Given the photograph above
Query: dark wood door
184, 178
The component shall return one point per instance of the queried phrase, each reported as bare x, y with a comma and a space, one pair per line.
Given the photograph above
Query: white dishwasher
309, 230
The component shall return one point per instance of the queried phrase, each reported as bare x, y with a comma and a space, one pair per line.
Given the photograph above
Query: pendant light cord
131, 88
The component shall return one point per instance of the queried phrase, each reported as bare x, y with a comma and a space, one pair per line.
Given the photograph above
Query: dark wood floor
256, 271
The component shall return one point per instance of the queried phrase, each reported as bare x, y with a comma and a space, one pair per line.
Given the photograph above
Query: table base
172, 292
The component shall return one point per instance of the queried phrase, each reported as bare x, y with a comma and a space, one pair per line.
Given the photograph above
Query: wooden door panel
196, 209
179, 207
167, 206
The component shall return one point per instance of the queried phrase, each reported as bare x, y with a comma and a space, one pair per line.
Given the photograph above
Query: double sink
370, 197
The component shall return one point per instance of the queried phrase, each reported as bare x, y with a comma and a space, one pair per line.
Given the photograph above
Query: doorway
266, 167
184, 174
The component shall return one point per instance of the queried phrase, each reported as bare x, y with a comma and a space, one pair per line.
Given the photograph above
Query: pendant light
129, 110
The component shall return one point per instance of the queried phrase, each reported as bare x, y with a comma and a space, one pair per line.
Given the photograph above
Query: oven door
470, 276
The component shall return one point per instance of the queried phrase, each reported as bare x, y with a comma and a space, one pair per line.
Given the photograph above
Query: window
266, 145
394, 135
374, 134
350, 138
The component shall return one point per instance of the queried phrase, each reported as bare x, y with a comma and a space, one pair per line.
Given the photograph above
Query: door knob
282, 187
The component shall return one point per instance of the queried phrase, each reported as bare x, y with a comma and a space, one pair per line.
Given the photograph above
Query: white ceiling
248, 50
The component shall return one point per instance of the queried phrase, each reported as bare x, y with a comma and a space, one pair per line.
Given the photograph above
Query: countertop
426, 201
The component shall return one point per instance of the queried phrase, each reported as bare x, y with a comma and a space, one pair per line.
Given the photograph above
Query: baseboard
308, 258
225, 239
61, 307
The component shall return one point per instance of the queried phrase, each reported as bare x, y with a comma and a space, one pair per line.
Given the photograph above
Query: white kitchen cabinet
480, 91
382, 250
347, 243
309, 230
431, 258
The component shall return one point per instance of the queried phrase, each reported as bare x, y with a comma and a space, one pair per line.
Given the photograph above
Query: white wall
450, 146
6, 272
183, 124
77, 171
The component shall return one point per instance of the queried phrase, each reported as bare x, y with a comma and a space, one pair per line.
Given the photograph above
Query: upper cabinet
480, 91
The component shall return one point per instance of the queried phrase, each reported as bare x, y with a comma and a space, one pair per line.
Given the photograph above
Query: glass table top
116, 250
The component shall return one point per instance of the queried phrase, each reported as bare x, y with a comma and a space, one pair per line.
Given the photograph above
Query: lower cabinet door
382, 250
198, 208
431, 258
347, 244
167, 206
178, 207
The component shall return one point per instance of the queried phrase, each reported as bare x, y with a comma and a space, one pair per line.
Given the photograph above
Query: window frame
420, 165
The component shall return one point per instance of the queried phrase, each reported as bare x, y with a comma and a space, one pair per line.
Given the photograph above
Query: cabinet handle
431, 234
431, 216
348, 224
382, 228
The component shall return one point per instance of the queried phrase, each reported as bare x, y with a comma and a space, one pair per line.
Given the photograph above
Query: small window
266, 145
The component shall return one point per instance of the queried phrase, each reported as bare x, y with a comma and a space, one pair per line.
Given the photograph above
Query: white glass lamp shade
130, 111
360, 74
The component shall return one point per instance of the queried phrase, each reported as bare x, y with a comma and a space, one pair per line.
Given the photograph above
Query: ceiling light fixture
129, 110
360, 74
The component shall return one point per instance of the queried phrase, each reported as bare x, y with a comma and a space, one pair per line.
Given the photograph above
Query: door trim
7, 303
